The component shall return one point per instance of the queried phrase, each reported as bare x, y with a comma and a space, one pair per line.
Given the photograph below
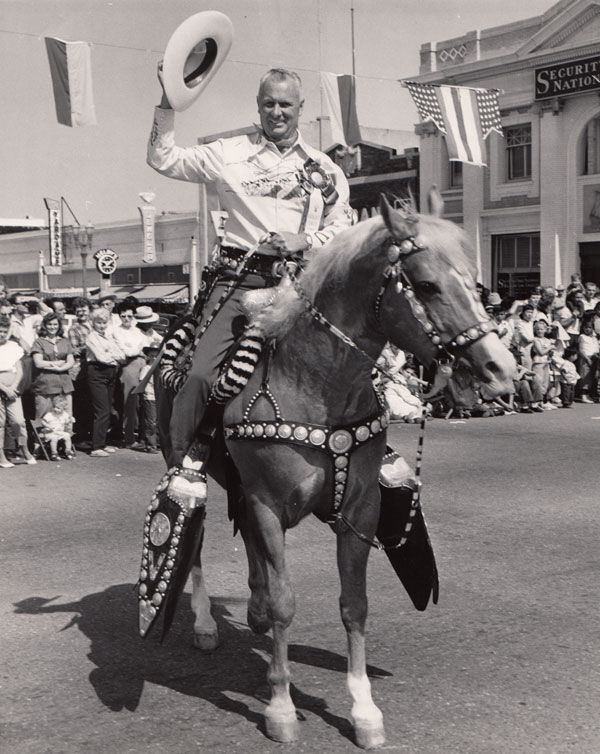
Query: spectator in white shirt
132, 341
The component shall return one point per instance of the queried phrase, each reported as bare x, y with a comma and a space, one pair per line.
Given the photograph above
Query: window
516, 264
518, 152
590, 156
456, 174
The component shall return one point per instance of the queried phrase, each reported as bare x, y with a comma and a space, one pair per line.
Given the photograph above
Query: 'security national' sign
567, 78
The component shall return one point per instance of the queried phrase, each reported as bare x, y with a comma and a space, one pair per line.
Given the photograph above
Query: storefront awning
162, 292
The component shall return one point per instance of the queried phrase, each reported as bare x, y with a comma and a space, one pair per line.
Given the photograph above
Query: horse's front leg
281, 722
367, 719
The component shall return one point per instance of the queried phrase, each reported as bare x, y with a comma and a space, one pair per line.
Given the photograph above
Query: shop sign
571, 77
106, 261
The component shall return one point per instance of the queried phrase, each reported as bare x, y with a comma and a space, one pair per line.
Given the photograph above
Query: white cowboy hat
194, 53
144, 315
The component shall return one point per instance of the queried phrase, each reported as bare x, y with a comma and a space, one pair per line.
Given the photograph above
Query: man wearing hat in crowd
145, 317
283, 198
108, 302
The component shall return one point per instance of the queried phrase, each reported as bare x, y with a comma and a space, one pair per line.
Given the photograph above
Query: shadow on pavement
124, 662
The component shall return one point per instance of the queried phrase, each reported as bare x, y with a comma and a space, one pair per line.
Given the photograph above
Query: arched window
589, 148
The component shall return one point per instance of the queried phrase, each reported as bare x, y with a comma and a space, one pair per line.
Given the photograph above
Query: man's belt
258, 264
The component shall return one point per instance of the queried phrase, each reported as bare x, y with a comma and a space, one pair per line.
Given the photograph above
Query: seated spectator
11, 408
145, 318
404, 404
57, 427
528, 394
587, 363
104, 356
132, 342
52, 360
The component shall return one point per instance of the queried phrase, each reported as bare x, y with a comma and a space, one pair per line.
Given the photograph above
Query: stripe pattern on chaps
238, 371
172, 373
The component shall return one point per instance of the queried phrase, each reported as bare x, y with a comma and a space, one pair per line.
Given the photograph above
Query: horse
307, 432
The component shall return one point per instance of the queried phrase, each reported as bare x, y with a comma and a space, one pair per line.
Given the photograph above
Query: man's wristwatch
309, 241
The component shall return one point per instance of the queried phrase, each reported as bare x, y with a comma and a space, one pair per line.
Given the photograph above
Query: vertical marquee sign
148, 212
55, 233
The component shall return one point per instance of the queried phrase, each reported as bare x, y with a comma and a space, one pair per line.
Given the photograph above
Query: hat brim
194, 53
148, 320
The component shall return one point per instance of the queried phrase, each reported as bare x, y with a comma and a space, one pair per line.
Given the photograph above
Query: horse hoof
369, 735
206, 641
283, 730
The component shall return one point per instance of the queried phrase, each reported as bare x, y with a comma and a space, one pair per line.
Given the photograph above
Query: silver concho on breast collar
337, 442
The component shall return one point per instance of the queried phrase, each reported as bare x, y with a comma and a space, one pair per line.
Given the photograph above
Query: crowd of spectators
68, 379
73, 375
554, 336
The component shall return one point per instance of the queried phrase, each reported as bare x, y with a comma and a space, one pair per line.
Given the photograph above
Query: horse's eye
426, 288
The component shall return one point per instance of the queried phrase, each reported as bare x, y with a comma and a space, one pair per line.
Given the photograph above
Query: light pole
83, 238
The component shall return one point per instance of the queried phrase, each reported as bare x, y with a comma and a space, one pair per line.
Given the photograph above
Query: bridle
395, 273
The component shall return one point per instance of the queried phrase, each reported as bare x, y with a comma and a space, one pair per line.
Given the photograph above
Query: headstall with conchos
395, 273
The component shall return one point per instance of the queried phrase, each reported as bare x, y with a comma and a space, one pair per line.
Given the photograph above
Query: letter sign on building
567, 78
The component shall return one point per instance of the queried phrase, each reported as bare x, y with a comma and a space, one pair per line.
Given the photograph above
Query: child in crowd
587, 363
527, 391
542, 350
568, 376
11, 407
148, 404
57, 426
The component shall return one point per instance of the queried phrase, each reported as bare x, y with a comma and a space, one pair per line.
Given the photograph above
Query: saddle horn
194, 53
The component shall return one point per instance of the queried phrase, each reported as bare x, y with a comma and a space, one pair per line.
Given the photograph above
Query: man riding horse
283, 198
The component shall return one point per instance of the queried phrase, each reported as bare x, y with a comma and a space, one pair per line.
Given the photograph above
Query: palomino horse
307, 433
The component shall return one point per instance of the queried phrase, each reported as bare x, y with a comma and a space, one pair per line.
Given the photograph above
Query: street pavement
507, 661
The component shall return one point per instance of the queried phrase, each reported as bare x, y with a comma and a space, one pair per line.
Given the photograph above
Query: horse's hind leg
352, 563
206, 634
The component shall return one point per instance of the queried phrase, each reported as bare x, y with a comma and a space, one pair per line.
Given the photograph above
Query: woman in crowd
52, 356
588, 349
104, 356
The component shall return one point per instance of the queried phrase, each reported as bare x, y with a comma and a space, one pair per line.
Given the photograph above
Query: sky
100, 170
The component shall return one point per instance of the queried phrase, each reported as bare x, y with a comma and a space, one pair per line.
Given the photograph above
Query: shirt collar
300, 144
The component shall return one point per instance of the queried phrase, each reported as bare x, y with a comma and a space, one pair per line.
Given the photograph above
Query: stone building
534, 212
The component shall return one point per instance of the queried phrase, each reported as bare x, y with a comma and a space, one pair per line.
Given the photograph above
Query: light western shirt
261, 188
131, 340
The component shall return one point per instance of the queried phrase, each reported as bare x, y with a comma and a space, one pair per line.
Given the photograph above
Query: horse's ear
435, 202
395, 220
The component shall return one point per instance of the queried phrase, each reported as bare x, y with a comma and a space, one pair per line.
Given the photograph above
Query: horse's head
431, 254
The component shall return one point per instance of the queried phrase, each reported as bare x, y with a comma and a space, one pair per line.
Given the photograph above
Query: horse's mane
330, 266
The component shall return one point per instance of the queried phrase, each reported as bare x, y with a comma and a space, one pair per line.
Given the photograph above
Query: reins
415, 504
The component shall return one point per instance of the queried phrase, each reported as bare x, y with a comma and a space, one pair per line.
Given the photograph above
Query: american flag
466, 116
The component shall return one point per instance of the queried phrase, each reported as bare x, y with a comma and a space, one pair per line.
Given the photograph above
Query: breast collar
338, 442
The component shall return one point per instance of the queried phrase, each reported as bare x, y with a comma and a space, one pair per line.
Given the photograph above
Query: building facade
534, 212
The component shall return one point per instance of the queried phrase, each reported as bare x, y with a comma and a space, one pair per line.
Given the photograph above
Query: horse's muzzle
494, 363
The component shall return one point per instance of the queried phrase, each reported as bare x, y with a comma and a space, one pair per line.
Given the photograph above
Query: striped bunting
340, 100
466, 116
71, 72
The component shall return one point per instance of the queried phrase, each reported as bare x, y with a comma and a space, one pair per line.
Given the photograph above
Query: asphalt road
507, 661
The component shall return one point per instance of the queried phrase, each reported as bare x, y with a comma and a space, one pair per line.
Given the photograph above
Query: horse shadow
238, 667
